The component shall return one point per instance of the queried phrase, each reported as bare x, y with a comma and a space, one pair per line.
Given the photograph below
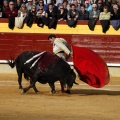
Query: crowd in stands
49, 12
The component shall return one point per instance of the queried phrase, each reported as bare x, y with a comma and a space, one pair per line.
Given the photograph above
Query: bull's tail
11, 62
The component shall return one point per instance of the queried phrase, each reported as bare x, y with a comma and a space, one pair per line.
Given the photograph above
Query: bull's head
71, 79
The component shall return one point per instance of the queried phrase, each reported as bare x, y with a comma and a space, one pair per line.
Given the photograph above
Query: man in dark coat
11, 12
83, 14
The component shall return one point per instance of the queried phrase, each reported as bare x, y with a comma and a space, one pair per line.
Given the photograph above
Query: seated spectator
72, 16
105, 15
51, 17
18, 4
29, 4
75, 2
31, 16
88, 6
55, 8
83, 14
92, 1
105, 19
100, 5
59, 2
66, 4
35, 2
1, 11
24, 1
94, 13
40, 17
115, 13
11, 11
62, 13
46, 2
5, 5
22, 12
41, 4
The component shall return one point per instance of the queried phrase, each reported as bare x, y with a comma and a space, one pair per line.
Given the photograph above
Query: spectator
59, 2
41, 5
5, 5
83, 14
94, 13
51, 17
35, 2
11, 11
88, 6
1, 2
24, 1
66, 4
40, 17
92, 1
46, 2
22, 12
100, 6
115, 13
29, 4
105, 15
55, 8
1, 11
31, 16
72, 16
62, 13
18, 4
105, 19
75, 2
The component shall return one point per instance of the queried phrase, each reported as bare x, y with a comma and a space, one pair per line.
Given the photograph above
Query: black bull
48, 69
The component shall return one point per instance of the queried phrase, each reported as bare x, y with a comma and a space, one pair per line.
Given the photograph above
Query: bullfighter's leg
52, 87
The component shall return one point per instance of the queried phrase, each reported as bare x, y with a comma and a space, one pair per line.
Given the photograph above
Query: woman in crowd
72, 16
41, 4
105, 19
22, 12
31, 16
62, 13
105, 15
40, 17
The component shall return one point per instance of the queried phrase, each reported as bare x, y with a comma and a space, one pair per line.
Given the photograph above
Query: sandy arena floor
85, 102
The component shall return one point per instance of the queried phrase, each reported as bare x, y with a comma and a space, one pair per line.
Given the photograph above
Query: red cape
90, 67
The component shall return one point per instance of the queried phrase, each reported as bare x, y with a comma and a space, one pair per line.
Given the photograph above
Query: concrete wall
4, 68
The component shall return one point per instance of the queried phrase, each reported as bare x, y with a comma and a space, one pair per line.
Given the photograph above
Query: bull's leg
35, 89
62, 87
32, 84
19, 79
52, 87
68, 90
